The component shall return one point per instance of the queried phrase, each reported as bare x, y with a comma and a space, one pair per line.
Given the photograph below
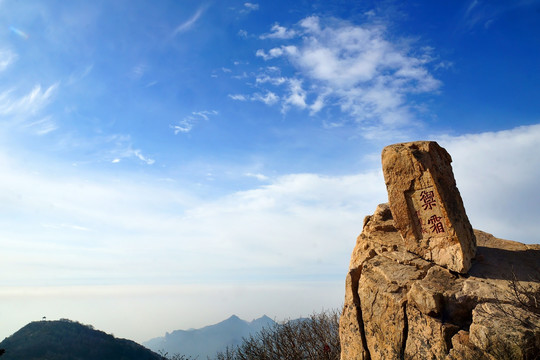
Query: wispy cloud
357, 69
269, 98
7, 57
79, 75
238, 97
186, 124
120, 147
471, 6
249, 7
279, 32
138, 71
188, 24
257, 176
274, 80
20, 108
273, 53
485, 13
138, 154
42, 126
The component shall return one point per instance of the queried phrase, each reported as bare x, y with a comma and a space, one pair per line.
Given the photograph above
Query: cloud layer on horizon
293, 227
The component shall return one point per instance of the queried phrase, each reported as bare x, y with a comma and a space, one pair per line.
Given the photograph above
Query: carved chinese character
428, 197
436, 224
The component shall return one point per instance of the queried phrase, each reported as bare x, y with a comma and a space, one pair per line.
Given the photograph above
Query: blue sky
187, 160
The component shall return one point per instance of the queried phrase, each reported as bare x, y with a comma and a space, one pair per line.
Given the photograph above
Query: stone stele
426, 204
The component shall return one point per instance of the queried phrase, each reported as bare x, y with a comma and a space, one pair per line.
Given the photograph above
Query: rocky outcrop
426, 204
400, 306
419, 294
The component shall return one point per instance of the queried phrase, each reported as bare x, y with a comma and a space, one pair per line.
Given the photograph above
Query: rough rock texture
426, 204
401, 306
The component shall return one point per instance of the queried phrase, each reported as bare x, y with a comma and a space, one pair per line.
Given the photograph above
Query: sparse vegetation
314, 338
526, 296
166, 356
522, 304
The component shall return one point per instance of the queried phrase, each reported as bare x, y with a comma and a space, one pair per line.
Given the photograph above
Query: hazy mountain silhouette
208, 340
69, 340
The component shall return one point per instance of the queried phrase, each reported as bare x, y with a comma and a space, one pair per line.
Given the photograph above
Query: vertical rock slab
426, 205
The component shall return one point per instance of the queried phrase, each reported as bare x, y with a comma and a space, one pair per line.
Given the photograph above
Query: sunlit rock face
426, 205
415, 293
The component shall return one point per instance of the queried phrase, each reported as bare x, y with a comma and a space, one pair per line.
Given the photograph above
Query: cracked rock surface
401, 306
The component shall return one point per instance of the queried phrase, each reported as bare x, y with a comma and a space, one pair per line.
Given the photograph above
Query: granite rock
426, 205
399, 305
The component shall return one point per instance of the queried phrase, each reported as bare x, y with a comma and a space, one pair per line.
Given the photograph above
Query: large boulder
426, 205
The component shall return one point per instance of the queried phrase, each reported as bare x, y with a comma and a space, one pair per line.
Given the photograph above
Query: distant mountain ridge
69, 340
207, 341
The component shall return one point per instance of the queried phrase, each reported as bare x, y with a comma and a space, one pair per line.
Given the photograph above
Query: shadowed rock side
400, 306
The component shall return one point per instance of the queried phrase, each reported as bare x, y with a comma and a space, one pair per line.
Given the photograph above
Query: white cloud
238, 97
296, 96
269, 98
42, 126
274, 80
485, 13
188, 24
138, 71
140, 156
251, 6
27, 105
370, 13
205, 113
444, 65
471, 6
7, 57
273, 53
257, 176
497, 174
186, 124
279, 32
79, 75
318, 104
355, 68
120, 147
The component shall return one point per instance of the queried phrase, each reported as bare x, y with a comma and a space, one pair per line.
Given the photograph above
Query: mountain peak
54, 339
207, 341
262, 320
